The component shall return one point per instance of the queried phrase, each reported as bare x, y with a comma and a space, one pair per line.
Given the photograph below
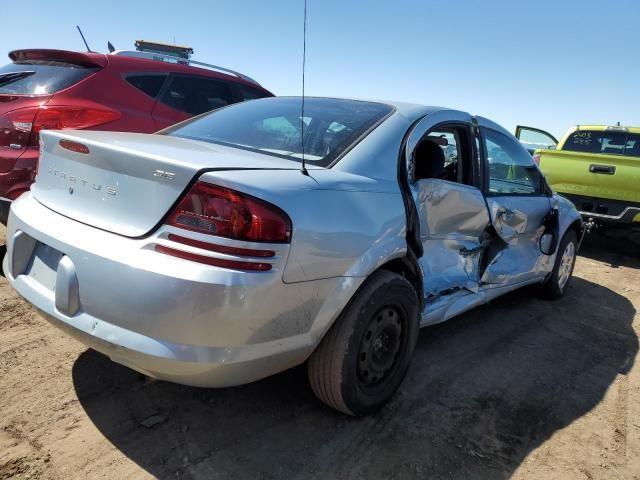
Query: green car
597, 167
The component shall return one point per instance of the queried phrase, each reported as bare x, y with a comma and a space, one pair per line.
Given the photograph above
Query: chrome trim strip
611, 217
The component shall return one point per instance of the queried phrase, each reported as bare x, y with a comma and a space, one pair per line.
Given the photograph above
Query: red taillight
536, 159
59, 118
33, 120
226, 213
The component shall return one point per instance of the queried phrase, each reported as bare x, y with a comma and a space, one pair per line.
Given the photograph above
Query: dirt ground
520, 388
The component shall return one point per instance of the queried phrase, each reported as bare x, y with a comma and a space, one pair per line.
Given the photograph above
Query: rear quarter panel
344, 225
108, 88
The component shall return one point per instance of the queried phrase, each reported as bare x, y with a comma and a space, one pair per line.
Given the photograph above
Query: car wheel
557, 283
364, 357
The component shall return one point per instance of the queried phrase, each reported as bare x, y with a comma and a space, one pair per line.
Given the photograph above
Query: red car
121, 91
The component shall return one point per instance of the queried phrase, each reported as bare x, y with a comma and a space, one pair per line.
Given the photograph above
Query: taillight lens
59, 118
226, 213
33, 120
536, 159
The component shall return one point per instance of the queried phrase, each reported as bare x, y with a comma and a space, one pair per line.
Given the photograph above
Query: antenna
83, 39
303, 170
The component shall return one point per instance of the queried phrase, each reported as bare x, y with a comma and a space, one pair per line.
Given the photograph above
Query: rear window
250, 93
149, 84
607, 142
274, 126
40, 77
196, 95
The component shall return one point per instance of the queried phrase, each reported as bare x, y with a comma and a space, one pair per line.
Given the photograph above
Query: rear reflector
216, 262
226, 213
74, 146
244, 252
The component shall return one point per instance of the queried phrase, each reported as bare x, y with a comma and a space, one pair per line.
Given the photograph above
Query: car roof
102, 60
414, 111
604, 128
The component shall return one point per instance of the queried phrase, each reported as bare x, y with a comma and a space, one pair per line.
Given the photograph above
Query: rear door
534, 138
187, 95
519, 206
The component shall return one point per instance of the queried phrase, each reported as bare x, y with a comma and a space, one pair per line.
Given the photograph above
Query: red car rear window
40, 77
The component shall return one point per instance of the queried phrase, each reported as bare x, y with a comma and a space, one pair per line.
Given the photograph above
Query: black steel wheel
364, 357
380, 346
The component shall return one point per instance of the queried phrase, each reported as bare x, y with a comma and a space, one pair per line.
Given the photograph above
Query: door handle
603, 169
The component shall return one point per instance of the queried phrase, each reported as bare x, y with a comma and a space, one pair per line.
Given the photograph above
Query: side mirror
547, 243
550, 237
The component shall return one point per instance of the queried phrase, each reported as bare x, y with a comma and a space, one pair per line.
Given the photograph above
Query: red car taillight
34, 120
226, 213
223, 212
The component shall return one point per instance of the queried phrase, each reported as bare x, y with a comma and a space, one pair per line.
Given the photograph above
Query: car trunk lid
127, 182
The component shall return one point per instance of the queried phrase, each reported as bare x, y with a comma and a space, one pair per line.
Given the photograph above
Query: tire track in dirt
620, 417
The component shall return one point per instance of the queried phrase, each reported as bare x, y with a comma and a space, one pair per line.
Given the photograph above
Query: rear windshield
274, 126
40, 77
608, 142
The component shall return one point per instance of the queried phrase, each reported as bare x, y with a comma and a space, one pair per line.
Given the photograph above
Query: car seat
428, 160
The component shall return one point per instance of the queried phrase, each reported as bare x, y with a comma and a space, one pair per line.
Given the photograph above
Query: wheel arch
409, 268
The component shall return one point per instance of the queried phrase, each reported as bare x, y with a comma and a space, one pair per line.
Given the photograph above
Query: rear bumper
603, 210
20, 175
168, 318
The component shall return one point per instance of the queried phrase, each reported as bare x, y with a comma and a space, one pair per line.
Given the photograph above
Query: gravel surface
520, 388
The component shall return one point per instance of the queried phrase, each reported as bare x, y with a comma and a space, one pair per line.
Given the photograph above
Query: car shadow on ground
483, 391
606, 244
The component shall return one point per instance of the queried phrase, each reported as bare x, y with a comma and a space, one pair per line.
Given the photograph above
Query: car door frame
169, 80
519, 129
443, 308
148, 73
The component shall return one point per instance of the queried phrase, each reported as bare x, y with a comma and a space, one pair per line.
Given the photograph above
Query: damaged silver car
226, 248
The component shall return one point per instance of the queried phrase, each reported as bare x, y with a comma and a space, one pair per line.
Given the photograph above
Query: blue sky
549, 64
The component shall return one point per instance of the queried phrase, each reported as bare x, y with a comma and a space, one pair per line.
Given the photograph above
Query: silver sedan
265, 234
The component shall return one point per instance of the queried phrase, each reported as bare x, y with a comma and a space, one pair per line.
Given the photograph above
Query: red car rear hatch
26, 85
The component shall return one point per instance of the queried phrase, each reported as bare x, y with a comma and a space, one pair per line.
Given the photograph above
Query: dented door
518, 206
453, 220
520, 223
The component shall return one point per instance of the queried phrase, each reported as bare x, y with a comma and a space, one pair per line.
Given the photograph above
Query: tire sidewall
398, 293
569, 236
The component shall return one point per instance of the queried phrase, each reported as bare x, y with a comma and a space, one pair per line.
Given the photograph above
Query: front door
519, 207
452, 211
534, 138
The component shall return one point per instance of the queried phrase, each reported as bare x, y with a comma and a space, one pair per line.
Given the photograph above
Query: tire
365, 355
557, 283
